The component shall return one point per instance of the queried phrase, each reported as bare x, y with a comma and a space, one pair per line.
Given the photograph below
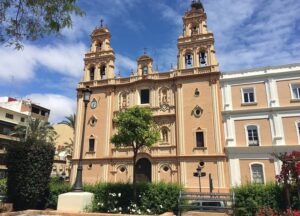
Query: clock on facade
93, 104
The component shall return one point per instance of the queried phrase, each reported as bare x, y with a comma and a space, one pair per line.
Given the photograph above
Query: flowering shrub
117, 198
291, 213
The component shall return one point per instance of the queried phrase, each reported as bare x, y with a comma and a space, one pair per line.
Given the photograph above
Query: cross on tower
145, 51
101, 23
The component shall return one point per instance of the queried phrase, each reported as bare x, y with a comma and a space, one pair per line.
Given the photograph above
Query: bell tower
145, 65
196, 44
99, 62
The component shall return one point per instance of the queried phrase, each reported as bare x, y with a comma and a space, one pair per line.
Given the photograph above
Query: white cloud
124, 64
66, 59
59, 105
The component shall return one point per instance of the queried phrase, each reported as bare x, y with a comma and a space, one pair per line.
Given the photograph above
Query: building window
99, 46
145, 70
91, 145
9, 116
145, 96
203, 59
165, 135
295, 91
200, 139
22, 119
195, 29
248, 95
252, 133
298, 126
188, 60
92, 73
257, 173
165, 168
103, 72
122, 169
197, 92
35, 110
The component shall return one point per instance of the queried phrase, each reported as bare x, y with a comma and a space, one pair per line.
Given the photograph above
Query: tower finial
196, 4
101, 23
145, 51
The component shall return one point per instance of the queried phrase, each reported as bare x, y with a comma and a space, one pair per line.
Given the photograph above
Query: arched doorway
143, 170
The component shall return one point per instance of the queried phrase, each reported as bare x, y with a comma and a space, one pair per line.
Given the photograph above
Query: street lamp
78, 182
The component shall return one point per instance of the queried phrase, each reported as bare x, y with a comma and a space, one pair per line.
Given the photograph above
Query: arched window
195, 29
257, 173
298, 127
92, 73
165, 134
103, 71
252, 135
145, 70
188, 60
98, 45
203, 59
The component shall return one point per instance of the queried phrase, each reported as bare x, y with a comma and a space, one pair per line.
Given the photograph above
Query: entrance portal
143, 170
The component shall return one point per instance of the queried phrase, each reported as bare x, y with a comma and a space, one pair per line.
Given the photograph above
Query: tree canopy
36, 129
136, 129
32, 19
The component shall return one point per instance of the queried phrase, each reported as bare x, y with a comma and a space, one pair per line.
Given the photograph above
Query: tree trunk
134, 177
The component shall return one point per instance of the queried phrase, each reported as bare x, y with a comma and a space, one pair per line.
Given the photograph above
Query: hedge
250, 198
29, 166
154, 198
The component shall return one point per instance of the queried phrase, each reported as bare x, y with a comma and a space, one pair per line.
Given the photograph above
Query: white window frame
263, 171
297, 124
243, 91
247, 136
296, 85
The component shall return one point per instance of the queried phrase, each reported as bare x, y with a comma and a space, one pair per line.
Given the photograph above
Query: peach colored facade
186, 105
261, 116
232, 122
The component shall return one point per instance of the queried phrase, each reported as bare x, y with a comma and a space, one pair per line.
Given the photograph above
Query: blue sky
248, 34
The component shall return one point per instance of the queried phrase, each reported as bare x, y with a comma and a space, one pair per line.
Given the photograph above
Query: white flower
140, 196
119, 194
160, 206
115, 209
113, 194
139, 212
133, 210
116, 201
148, 210
120, 208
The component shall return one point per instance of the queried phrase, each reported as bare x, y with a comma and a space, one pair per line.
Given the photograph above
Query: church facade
195, 108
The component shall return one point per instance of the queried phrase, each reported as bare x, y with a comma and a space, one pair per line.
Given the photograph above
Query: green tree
29, 164
70, 121
36, 129
136, 129
32, 19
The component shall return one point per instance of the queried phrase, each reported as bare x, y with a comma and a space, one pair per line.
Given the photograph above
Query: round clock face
93, 104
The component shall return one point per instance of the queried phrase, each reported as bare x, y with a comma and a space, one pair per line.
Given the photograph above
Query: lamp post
78, 182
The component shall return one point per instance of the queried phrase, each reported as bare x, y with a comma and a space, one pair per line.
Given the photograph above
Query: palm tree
70, 121
36, 129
